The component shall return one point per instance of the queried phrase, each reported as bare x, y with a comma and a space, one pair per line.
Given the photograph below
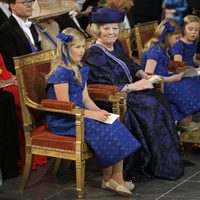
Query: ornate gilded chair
31, 71
142, 33
124, 38
190, 138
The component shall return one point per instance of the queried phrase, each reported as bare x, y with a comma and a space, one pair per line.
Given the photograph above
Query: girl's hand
100, 115
142, 84
176, 77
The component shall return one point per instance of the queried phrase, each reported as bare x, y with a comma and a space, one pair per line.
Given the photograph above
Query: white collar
21, 22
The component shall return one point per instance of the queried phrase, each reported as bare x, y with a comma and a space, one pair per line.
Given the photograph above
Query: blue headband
65, 39
168, 28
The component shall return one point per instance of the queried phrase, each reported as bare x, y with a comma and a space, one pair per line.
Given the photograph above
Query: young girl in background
185, 49
68, 82
183, 94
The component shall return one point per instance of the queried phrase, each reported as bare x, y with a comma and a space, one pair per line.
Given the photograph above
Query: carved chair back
125, 40
142, 33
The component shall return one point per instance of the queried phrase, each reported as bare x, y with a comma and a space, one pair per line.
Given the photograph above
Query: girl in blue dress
186, 48
68, 82
183, 93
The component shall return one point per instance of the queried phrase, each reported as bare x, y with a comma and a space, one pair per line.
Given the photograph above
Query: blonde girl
68, 82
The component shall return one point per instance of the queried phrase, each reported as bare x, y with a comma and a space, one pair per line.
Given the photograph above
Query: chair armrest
159, 86
176, 66
70, 108
58, 105
111, 88
101, 92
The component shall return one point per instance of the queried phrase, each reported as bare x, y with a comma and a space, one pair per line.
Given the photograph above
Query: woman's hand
100, 115
143, 75
142, 84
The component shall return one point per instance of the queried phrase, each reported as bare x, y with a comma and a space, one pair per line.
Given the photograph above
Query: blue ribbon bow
168, 28
65, 39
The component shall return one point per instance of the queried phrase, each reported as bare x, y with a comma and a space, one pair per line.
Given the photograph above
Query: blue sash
44, 32
120, 62
32, 46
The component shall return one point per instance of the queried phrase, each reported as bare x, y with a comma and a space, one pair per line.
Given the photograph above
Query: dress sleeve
154, 53
177, 49
61, 75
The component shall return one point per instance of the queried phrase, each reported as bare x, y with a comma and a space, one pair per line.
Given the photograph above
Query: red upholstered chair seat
48, 139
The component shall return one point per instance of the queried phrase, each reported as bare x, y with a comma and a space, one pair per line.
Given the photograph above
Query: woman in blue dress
67, 82
148, 116
183, 93
186, 48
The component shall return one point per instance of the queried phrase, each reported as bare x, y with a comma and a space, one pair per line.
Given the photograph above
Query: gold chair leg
57, 166
26, 172
80, 179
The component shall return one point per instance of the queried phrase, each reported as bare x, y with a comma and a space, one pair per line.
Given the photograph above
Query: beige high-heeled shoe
114, 186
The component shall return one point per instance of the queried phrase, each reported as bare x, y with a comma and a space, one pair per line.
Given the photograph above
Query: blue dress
186, 50
110, 143
148, 118
184, 95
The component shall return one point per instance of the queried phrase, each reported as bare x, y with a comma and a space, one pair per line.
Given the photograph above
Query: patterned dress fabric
183, 95
110, 143
186, 50
148, 118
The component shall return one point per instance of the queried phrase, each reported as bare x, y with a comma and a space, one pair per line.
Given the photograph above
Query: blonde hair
77, 37
158, 32
190, 19
118, 4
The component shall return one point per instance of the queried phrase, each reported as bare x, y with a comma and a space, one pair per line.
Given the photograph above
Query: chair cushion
46, 138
